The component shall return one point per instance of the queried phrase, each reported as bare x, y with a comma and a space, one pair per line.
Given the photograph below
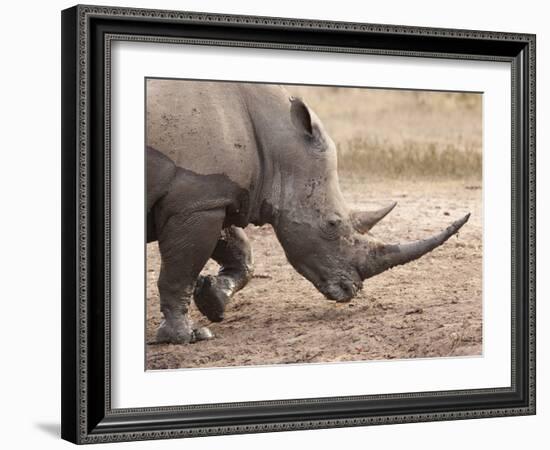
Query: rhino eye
331, 228
333, 221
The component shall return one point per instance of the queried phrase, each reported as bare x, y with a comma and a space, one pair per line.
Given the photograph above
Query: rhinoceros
224, 155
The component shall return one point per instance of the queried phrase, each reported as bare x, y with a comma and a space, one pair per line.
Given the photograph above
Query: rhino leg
185, 243
234, 254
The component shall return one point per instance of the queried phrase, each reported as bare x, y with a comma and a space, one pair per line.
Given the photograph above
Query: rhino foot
211, 296
181, 333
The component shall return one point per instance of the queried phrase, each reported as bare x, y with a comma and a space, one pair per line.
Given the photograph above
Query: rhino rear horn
385, 256
363, 221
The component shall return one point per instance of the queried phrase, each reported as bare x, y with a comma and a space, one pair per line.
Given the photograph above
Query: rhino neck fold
267, 197
268, 193
270, 203
265, 192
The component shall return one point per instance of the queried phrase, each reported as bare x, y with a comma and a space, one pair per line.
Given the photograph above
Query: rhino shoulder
161, 170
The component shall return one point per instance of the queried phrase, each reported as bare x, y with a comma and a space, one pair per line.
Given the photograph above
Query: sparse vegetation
366, 156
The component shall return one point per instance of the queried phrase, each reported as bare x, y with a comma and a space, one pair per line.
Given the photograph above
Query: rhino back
202, 127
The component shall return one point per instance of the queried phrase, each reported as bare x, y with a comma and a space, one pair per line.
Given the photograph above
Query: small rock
203, 334
262, 275
414, 311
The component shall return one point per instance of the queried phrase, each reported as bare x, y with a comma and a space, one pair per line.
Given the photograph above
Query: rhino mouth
341, 291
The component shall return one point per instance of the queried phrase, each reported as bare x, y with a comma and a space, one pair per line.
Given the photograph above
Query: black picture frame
87, 416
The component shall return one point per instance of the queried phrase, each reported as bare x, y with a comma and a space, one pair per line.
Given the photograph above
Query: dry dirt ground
428, 308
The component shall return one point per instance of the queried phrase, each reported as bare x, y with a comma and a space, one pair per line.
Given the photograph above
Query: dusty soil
429, 308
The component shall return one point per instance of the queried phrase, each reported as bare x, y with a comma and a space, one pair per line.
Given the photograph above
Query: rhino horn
380, 256
363, 221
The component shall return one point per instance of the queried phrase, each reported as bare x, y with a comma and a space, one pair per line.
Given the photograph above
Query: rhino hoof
167, 334
210, 299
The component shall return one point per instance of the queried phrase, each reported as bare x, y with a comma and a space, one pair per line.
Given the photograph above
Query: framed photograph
280, 224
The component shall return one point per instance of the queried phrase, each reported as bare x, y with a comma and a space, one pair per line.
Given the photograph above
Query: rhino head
325, 241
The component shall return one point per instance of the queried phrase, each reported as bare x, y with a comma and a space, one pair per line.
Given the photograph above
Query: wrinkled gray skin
223, 155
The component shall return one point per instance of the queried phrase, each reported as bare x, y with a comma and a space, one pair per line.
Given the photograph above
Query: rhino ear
300, 116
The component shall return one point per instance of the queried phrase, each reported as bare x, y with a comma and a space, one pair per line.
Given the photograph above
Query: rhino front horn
381, 257
363, 221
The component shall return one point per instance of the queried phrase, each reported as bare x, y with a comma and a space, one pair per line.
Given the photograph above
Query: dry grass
409, 159
384, 132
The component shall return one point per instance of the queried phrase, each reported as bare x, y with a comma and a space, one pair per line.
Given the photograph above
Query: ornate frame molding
80, 424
